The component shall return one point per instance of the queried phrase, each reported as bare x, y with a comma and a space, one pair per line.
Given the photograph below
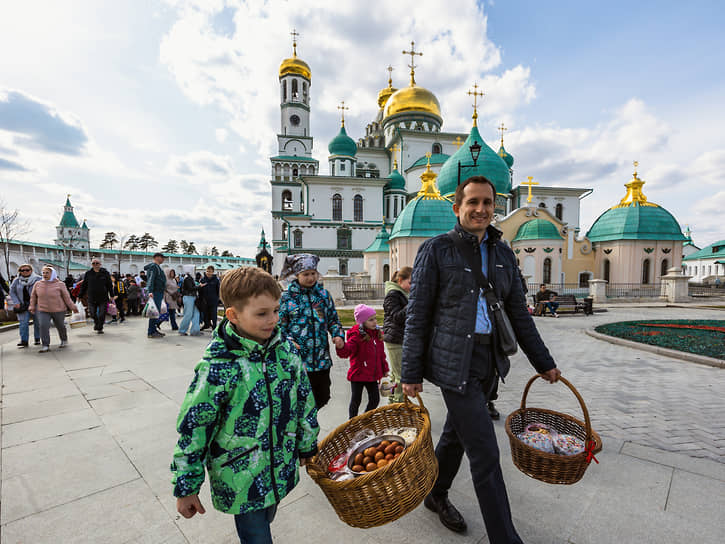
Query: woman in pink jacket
368, 365
49, 301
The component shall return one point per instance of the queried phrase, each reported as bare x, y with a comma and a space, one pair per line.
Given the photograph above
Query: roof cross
395, 150
412, 54
390, 75
294, 35
530, 183
502, 128
475, 94
636, 164
458, 143
342, 107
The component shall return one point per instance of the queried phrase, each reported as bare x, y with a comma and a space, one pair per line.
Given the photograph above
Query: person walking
97, 285
191, 312
209, 292
49, 301
156, 286
134, 297
119, 297
20, 291
171, 297
394, 307
449, 340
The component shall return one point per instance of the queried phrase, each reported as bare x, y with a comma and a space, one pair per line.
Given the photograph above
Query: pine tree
191, 248
147, 242
171, 247
109, 240
214, 251
184, 246
227, 253
132, 243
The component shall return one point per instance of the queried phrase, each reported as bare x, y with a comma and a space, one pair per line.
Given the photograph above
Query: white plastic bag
151, 311
78, 319
164, 308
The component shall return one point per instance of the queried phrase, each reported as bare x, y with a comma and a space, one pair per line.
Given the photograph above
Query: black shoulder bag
504, 330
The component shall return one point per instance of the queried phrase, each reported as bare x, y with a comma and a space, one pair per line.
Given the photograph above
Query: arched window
344, 239
284, 233
358, 208
547, 270
295, 90
436, 148
304, 91
559, 211
606, 269
663, 267
298, 238
284, 91
386, 272
645, 271
584, 279
287, 200
542, 205
395, 212
342, 267
336, 207
295, 172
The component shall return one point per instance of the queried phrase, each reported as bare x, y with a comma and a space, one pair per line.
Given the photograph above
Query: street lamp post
475, 152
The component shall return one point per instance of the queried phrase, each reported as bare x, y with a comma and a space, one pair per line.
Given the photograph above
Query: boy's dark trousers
469, 429
356, 398
253, 528
320, 383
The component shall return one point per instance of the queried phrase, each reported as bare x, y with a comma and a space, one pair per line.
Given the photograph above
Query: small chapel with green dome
387, 192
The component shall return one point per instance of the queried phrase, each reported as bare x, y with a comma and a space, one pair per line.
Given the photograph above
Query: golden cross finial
294, 35
342, 107
636, 164
458, 143
412, 54
475, 94
395, 150
502, 128
428, 155
390, 75
530, 183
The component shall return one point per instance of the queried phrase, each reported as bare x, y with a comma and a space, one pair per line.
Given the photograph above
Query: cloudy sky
161, 116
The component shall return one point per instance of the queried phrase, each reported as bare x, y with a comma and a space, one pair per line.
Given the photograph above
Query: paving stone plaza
87, 436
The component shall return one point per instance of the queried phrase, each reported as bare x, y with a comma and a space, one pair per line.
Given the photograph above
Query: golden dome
413, 99
295, 65
383, 95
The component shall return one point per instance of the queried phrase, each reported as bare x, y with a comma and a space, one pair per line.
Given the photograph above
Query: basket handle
587, 421
420, 406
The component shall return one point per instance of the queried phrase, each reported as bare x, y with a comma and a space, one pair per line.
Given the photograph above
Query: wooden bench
567, 303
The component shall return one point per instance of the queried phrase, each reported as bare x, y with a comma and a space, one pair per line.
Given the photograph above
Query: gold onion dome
413, 98
294, 64
388, 91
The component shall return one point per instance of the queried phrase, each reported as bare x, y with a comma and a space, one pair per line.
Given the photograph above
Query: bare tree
11, 227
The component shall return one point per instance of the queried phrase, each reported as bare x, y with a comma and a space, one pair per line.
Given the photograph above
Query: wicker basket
390, 492
552, 468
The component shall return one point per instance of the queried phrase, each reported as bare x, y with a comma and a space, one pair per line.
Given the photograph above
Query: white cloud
200, 165
221, 135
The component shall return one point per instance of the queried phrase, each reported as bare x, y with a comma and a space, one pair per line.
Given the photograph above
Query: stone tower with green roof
70, 233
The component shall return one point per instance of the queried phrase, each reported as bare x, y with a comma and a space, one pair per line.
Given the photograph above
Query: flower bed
699, 336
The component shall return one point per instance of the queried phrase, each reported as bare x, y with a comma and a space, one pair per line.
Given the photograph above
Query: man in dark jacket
451, 341
155, 285
209, 293
97, 285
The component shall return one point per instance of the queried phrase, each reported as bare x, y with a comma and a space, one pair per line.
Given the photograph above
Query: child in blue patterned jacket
307, 314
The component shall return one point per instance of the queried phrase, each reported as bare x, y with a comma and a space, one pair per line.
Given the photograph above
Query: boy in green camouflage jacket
249, 413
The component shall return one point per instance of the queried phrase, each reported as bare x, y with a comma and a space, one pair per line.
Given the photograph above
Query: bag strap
469, 257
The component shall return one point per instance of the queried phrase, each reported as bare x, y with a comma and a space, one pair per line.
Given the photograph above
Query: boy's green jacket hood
393, 286
248, 415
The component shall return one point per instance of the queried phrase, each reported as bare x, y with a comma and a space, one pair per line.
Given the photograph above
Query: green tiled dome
537, 229
380, 244
489, 164
397, 181
342, 144
424, 218
507, 158
635, 222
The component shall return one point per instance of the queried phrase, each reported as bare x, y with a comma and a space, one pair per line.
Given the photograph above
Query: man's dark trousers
154, 322
97, 309
210, 313
469, 429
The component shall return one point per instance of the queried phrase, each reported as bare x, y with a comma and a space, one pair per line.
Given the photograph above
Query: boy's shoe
63, 344
44, 349
22, 344
37, 342
156, 335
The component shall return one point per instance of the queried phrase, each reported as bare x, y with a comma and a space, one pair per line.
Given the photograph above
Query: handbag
504, 331
112, 309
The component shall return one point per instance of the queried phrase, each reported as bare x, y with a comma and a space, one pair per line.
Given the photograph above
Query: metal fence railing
706, 291
367, 291
633, 290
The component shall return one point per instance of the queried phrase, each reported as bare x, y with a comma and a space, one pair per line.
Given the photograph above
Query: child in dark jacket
368, 365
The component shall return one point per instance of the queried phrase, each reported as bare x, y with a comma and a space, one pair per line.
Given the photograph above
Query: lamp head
475, 151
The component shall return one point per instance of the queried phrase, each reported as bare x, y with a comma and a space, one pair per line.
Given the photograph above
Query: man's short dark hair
157, 254
542, 285
473, 179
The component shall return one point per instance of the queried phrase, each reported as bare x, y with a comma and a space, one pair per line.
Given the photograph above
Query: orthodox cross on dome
395, 150
342, 107
294, 35
635, 196
501, 128
412, 54
475, 94
636, 164
458, 143
428, 155
530, 184
390, 76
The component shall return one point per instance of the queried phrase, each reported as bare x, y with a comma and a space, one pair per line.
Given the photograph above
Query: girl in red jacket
368, 365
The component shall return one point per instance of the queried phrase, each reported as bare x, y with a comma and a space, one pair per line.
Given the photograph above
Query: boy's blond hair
241, 284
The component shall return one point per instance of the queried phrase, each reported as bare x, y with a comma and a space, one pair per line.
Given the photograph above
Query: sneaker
37, 341
63, 344
99, 331
183, 334
44, 349
155, 335
556, 315
22, 344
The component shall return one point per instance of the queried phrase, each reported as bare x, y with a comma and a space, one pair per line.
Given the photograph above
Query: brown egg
399, 449
396, 456
382, 463
379, 456
399, 444
359, 459
390, 449
389, 457
370, 467
384, 444
358, 468
370, 452
367, 460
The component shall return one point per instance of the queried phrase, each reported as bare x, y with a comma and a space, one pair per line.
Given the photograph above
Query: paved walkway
87, 435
